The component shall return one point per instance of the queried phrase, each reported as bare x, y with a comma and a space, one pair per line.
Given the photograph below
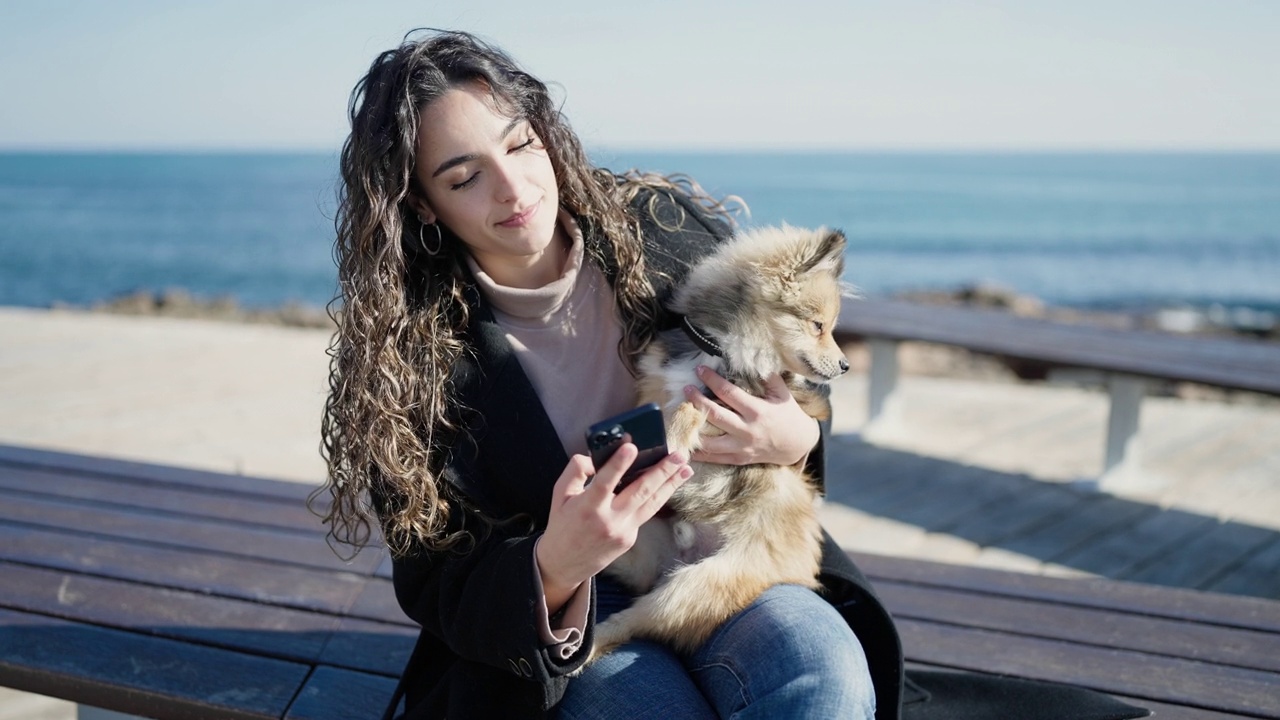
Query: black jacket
479, 654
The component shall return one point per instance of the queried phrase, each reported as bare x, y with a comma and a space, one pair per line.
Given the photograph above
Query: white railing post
882, 380
1123, 454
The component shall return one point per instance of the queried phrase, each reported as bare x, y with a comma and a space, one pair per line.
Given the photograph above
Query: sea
1114, 231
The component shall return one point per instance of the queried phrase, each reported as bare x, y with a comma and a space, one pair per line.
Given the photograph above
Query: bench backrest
1228, 363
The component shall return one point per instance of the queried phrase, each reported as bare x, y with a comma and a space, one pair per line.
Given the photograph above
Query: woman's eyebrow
454, 161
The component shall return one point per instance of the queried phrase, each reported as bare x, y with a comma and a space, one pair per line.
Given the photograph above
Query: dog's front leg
684, 428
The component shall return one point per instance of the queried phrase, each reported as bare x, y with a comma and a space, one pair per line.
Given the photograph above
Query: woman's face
488, 178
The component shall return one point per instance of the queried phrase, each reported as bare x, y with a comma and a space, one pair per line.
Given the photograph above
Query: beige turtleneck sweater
565, 335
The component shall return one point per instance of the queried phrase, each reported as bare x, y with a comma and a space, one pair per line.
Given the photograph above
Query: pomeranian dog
765, 302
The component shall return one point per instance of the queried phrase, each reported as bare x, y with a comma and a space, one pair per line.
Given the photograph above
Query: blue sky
662, 74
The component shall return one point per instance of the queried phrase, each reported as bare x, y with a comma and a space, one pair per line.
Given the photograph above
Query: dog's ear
828, 254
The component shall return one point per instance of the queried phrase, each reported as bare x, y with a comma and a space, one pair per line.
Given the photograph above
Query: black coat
480, 654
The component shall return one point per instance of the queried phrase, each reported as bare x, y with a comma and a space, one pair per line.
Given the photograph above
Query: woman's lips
521, 219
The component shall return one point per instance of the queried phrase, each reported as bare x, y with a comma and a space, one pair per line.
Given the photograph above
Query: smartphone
642, 426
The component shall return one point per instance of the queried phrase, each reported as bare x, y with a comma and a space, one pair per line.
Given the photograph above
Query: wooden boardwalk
997, 475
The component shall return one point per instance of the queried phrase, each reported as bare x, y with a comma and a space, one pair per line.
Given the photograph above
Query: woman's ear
419, 206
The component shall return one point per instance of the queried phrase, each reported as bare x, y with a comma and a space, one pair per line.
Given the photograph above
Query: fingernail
701, 370
690, 390
686, 472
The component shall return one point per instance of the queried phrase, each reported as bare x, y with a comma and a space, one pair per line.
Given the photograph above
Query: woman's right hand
590, 526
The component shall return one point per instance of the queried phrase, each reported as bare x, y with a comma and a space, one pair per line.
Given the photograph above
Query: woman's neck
532, 271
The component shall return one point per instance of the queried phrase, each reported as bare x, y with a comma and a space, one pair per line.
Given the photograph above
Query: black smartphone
642, 426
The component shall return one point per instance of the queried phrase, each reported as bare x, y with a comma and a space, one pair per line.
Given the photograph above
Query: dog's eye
817, 326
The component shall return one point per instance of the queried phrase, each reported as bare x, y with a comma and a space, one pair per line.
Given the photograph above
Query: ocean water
1132, 231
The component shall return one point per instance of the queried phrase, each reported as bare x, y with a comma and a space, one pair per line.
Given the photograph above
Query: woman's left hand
772, 429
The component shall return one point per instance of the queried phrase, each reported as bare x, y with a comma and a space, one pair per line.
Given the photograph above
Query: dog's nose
844, 366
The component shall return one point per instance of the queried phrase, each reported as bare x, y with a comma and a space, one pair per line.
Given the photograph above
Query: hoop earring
439, 238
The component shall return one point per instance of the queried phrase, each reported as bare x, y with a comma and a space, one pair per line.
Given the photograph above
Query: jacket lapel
518, 451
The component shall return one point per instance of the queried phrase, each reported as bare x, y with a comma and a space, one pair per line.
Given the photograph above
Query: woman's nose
508, 183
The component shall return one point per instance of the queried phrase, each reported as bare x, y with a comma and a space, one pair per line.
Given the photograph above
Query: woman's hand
590, 526
772, 429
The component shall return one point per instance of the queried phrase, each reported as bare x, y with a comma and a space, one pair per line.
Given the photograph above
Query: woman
471, 228
496, 289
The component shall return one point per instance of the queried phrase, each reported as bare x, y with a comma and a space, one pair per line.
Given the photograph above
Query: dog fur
769, 298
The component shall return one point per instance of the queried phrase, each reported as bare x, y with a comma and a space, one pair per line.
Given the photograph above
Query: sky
664, 75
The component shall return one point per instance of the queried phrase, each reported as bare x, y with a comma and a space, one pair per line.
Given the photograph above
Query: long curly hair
401, 309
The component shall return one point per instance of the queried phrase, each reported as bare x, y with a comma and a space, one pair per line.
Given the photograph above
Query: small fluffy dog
765, 302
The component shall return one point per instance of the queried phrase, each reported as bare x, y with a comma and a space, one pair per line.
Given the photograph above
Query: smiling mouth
521, 218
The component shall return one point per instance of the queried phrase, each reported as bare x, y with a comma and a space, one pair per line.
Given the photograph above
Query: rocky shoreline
178, 303
915, 358
1214, 321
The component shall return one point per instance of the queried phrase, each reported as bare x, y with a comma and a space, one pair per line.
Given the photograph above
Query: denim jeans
787, 655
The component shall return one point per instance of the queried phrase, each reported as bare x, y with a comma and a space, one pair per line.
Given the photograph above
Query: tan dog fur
770, 298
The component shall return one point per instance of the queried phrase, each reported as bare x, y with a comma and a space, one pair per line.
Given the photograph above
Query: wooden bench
173, 593
165, 592
1127, 359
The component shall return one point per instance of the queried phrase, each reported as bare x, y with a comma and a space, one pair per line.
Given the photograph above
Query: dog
764, 302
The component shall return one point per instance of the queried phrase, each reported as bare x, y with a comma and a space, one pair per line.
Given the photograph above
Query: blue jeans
787, 655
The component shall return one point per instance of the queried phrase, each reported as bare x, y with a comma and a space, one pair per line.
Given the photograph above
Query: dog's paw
577, 672
597, 651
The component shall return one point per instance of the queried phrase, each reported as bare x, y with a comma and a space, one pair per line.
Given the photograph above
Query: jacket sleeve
482, 599
482, 602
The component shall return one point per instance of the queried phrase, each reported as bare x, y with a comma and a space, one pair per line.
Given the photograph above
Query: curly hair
401, 311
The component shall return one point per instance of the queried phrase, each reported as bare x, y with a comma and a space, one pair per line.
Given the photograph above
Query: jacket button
512, 664
525, 668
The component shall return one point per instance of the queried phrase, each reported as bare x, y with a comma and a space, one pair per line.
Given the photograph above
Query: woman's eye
465, 183
523, 145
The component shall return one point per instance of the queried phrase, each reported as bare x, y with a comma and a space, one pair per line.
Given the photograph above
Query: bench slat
279, 632
174, 500
246, 578
144, 473
1121, 630
1164, 711
377, 601
1108, 670
332, 694
1176, 603
283, 633
141, 675
219, 536
370, 646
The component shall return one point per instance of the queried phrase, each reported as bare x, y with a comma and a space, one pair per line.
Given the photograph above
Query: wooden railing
1127, 359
